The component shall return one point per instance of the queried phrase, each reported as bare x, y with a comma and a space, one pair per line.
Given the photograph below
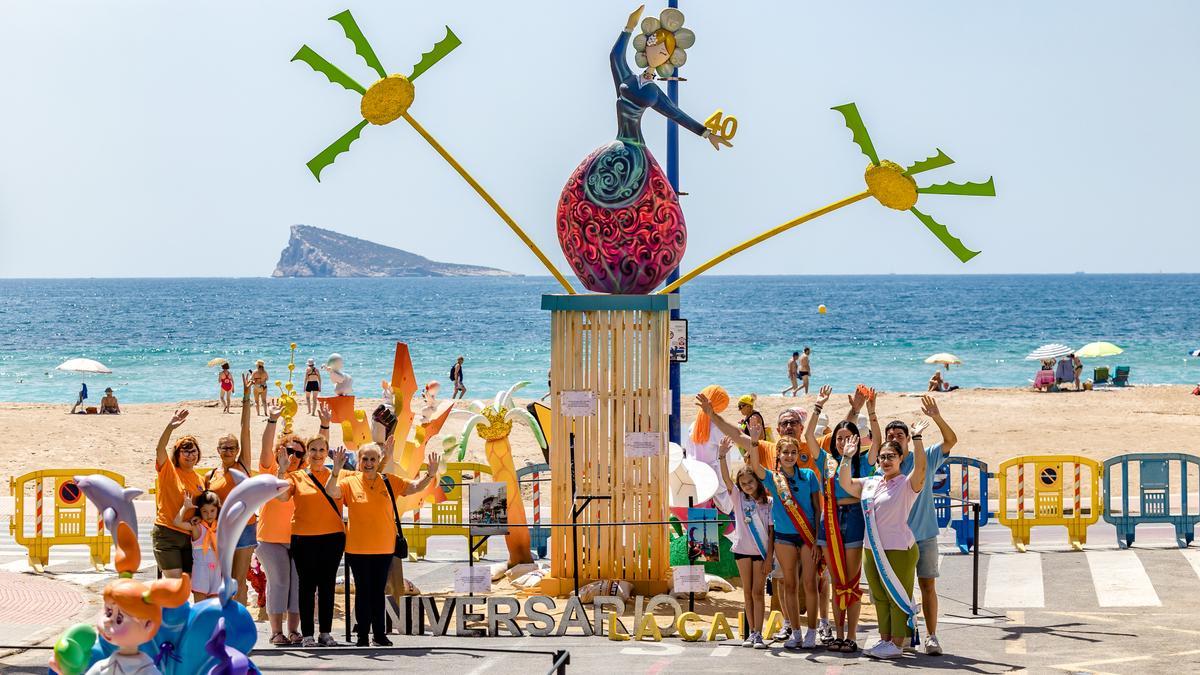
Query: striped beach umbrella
1047, 352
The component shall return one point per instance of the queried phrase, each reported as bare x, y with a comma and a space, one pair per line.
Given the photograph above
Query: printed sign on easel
476, 579
689, 579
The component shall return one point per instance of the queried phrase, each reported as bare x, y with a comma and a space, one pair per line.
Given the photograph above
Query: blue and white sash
749, 511
891, 582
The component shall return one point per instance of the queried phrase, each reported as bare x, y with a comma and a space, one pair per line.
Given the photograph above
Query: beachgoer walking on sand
456, 376
259, 377
1077, 366
312, 387
805, 369
923, 520
793, 374
225, 385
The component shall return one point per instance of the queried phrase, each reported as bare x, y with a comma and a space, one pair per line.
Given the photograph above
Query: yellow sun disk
387, 99
890, 186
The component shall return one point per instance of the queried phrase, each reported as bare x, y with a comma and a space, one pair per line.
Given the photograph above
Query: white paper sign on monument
473, 579
643, 443
689, 579
577, 403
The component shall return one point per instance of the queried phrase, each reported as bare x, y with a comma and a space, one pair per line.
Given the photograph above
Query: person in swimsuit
259, 377
108, 404
456, 376
793, 368
312, 387
805, 369
225, 382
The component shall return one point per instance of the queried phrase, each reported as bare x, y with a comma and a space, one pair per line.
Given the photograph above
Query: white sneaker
308, 641
825, 631
749, 641
326, 640
758, 641
783, 634
885, 650
794, 641
932, 646
810, 639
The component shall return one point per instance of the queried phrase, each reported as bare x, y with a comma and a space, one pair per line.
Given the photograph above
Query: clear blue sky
169, 139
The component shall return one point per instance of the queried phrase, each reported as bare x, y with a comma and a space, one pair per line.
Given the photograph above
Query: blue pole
673, 177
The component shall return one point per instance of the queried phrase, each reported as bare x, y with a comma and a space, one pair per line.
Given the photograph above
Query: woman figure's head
370, 457
659, 46
228, 449
787, 452
208, 506
662, 43
750, 485
890, 456
295, 450
186, 454
316, 449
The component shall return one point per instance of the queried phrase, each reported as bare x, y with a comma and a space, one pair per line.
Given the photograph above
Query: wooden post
615, 346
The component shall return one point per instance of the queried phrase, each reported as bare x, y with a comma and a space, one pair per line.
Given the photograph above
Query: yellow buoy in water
820, 309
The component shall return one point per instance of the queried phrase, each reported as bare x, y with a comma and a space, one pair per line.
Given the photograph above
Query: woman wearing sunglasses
275, 530
177, 479
891, 559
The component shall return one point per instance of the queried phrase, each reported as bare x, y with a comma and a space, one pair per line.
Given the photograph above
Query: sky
160, 139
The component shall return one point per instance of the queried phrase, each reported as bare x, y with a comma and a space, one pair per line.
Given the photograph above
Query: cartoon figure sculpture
132, 614
493, 423
343, 384
619, 222
113, 502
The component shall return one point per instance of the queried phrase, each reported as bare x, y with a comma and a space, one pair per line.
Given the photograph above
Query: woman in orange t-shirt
318, 539
371, 529
176, 479
234, 452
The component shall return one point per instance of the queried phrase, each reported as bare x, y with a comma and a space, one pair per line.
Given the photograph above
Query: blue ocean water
158, 334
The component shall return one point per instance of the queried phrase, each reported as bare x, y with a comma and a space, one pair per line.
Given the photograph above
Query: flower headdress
668, 26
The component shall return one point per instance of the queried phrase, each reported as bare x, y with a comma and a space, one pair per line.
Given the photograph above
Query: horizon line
547, 276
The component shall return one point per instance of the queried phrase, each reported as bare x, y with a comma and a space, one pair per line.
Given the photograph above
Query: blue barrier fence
1153, 487
953, 479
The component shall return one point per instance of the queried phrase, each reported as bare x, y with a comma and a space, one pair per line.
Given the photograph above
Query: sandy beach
992, 424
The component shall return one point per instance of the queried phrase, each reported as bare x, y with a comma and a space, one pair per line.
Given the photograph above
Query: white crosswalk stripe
1193, 557
1121, 580
1015, 580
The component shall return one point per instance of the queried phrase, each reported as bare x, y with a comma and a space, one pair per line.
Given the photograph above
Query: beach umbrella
217, 362
692, 478
83, 366
945, 358
1047, 352
1094, 350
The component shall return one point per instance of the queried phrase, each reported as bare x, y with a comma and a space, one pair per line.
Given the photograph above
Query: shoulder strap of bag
395, 514
332, 504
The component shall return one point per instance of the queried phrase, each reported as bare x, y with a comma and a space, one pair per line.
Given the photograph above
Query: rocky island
316, 252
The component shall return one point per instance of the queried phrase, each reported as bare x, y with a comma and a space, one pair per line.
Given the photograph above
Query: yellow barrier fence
69, 516
447, 515
1053, 502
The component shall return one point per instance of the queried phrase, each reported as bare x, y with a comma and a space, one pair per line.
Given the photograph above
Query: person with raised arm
923, 520
752, 545
887, 499
176, 481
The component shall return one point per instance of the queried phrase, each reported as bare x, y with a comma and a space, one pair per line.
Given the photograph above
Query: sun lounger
1100, 377
1121, 377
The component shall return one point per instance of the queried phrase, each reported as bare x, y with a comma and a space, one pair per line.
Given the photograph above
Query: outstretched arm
851, 485
916, 477
431, 472
810, 429
929, 406
244, 434
724, 446
876, 434
331, 483
267, 452
731, 431
616, 58
161, 456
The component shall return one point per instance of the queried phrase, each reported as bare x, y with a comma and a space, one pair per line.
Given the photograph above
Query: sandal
279, 640
849, 646
295, 638
834, 645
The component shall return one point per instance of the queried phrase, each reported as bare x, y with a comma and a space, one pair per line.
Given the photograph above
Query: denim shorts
789, 539
927, 560
249, 537
853, 527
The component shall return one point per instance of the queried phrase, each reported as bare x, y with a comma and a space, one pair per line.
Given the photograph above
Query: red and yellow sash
845, 589
796, 514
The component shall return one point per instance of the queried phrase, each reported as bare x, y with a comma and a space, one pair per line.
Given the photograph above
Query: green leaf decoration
936, 162
355, 34
987, 189
326, 157
319, 64
861, 137
439, 52
954, 244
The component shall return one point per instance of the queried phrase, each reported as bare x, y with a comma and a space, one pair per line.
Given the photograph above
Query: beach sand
991, 424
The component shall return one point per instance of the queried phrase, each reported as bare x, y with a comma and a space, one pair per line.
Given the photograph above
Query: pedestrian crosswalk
1093, 579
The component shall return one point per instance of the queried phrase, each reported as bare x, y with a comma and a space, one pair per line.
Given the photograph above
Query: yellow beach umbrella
217, 362
1094, 350
944, 358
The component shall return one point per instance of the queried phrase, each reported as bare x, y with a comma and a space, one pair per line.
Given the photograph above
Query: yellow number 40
721, 125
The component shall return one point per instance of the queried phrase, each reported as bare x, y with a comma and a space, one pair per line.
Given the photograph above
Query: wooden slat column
615, 346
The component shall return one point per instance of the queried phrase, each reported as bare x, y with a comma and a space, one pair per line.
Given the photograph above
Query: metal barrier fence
1153, 489
965, 527
69, 516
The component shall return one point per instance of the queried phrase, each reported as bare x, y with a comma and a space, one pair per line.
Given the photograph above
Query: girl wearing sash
842, 527
751, 540
891, 549
796, 495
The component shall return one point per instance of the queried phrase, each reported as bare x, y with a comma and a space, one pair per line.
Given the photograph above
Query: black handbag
401, 549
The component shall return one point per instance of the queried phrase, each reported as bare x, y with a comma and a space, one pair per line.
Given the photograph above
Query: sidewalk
35, 609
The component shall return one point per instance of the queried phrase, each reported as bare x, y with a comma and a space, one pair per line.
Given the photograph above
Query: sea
158, 334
